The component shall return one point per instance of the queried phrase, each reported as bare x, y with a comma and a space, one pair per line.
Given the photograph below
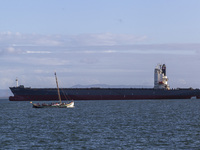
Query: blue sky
99, 42
159, 20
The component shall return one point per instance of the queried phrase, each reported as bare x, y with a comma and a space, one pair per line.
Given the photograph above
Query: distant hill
110, 86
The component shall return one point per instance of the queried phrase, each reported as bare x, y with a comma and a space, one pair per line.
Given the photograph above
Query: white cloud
73, 40
11, 49
88, 43
48, 41
38, 52
93, 58
106, 39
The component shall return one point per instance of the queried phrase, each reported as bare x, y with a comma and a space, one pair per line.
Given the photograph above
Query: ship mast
58, 89
17, 82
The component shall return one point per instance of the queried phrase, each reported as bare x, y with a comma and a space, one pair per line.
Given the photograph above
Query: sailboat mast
58, 89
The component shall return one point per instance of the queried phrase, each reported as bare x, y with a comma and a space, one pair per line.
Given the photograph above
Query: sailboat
55, 105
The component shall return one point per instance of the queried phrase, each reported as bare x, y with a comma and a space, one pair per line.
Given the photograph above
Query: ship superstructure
160, 77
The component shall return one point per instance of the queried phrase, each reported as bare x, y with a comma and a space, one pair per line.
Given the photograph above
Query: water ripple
146, 124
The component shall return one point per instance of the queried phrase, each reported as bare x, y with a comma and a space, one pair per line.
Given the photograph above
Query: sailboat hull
70, 105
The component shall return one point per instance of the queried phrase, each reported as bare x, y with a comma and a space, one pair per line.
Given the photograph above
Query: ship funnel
164, 69
160, 78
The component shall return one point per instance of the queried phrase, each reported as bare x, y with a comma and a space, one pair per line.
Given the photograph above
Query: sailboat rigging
57, 105
59, 97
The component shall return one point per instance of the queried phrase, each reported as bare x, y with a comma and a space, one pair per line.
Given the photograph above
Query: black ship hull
50, 94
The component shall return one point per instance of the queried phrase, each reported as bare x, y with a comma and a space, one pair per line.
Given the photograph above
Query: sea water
134, 124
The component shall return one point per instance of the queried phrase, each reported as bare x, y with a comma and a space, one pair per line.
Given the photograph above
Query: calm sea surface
137, 124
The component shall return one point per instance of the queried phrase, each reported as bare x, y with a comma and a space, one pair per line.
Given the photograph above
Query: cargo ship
161, 90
